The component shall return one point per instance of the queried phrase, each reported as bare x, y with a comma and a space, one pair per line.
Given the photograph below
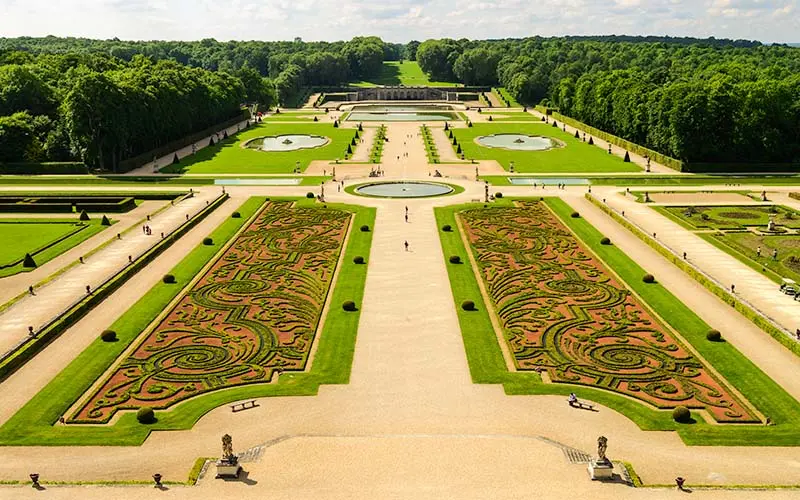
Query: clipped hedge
455, 259
605, 241
364, 228
208, 241
681, 414
358, 259
44, 168
714, 335
146, 416
649, 278
169, 279
349, 306
108, 336
468, 305
446, 228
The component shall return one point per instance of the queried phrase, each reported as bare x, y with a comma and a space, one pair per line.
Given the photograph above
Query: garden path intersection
411, 424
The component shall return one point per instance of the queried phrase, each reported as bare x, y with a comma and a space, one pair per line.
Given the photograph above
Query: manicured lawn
33, 424
488, 366
576, 156
407, 73
44, 239
228, 157
505, 93
662, 180
499, 115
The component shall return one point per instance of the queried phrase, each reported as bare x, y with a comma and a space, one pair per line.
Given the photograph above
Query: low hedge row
55, 328
44, 168
709, 285
617, 141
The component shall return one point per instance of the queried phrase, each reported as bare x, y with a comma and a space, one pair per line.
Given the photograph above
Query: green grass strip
33, 423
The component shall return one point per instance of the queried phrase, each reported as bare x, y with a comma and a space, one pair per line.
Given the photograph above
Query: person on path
406, 216
405, 243
775, 254
758, 252
733, 288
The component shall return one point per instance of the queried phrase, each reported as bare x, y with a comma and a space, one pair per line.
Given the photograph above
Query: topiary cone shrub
175, 159
358, 259
168, 279
591, 141
468, 305
682, 414
108, 336
649, 278
105, 221
28, 261
713, 335
146, 416
84, 216
365, 228
208, 241
455, 259
605, 241
577, 136
627, 158
349, 305
236, 215
574, 215
446, 228
211, 141
310, 195
498, 195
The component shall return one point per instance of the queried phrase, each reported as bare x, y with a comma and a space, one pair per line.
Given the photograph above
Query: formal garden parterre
254, 312
562, 312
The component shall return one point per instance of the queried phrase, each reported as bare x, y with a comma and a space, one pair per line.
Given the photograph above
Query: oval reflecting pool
403, 189
516, 142
291, 142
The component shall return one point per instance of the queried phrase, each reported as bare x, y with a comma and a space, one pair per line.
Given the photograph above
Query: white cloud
399, 20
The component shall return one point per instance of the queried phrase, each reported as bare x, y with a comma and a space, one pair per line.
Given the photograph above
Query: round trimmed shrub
455, 259
605, 241
169, 279
446, 228
714, 335
574, 215
349, 305
365, 228
649, 278
498, 195
208, 241
358, 259
682, 414
236, 215
468, 305
310, 195
108, 336
146, 416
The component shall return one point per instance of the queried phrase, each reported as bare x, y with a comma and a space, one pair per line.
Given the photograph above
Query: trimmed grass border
33, 425
487, 365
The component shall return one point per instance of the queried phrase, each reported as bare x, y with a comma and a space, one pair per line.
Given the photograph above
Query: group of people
146, 230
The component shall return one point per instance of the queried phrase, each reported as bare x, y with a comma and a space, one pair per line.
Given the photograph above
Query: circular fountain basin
282, 143
516, 142
404, 189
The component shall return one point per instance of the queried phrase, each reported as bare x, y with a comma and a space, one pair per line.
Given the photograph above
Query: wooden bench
583, 405
246, 405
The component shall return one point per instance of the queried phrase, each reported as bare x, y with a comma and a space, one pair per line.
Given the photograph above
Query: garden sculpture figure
602, 445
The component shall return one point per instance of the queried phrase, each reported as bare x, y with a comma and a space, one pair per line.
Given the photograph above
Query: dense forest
702, 102
709, 100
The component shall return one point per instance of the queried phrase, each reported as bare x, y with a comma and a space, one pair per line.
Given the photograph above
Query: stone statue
602, 445
771, 224
227, 447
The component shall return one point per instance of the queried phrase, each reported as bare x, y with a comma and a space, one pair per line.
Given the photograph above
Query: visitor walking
758, 252
405, 243
775, 254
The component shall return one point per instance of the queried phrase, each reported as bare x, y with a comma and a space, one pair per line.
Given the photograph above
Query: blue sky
398, 20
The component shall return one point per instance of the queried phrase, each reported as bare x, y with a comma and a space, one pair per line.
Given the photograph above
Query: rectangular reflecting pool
402, 113
548, 181
278, 181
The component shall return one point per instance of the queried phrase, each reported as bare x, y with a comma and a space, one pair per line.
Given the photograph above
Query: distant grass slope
407, 73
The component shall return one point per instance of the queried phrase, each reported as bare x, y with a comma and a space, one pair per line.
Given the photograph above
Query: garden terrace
42, 239
735, 217
563, 313
252, 314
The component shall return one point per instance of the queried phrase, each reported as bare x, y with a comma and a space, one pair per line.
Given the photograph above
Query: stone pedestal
601, 469
228, 468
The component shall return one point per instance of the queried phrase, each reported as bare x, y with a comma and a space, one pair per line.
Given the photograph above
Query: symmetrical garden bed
562, 312
734, 216
253, 313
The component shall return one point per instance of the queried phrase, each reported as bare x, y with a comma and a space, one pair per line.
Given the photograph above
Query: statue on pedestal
228, 465
602, 468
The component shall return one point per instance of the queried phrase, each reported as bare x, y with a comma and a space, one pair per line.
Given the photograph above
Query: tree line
711, 101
